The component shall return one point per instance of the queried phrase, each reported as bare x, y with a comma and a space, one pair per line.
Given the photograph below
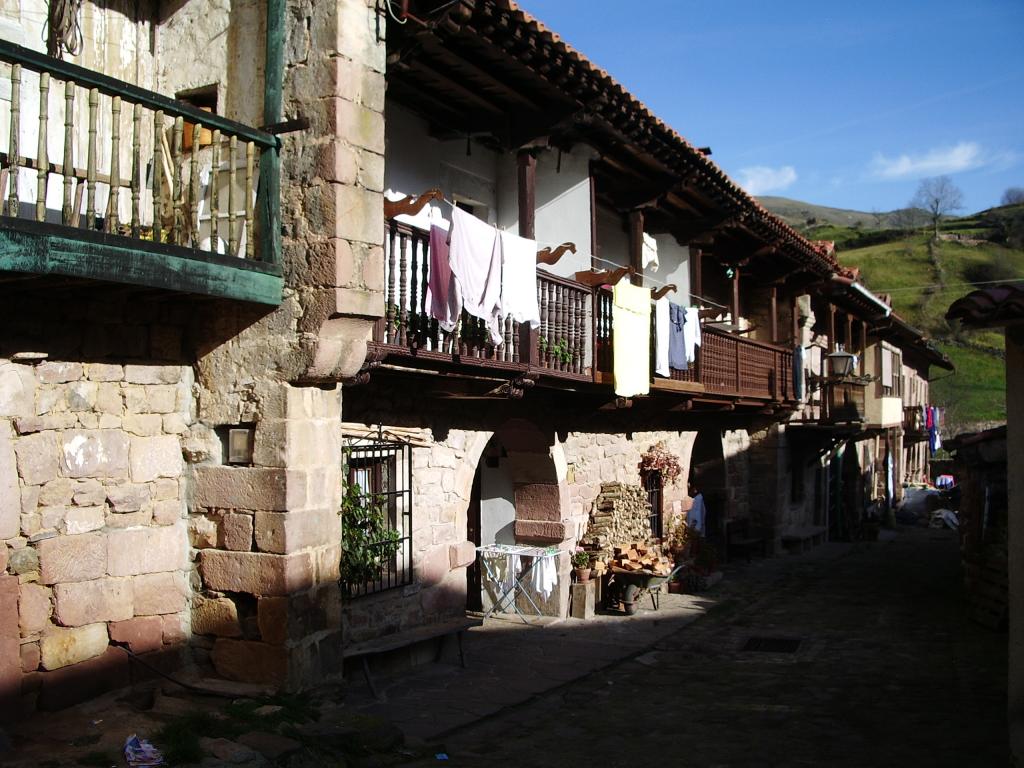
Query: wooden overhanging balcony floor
573, 349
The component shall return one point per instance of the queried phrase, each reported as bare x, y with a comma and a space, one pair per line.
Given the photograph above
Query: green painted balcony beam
31, 248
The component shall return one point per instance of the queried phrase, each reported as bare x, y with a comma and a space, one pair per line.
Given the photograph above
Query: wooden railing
563, 340
155, 169
725, 364
914, 421
565, 325
844, 401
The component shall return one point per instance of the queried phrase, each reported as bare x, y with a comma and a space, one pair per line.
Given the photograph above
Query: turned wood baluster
193, 189
414, 284
403, 288
215, 195
581, 339
114, 188
136, 167
232, 237
425, 324
42, 157
69, 137
542, 304
250, 204
90, 160
577, 330
514, 342
13, 161
389, 311
177, 194
565, 348
552, 326
158, 175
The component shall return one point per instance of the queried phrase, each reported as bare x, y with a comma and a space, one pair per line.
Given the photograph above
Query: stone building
211, 330
1002, 306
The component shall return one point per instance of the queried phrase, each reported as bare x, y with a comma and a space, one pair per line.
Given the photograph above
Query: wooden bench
398, 640
802, 539
740, 540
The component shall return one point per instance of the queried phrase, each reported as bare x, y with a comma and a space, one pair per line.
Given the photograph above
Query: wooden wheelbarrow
625, 588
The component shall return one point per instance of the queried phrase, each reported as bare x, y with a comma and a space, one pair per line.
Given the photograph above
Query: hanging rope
63, 29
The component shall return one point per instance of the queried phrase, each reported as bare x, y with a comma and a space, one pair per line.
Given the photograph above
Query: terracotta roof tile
768, 221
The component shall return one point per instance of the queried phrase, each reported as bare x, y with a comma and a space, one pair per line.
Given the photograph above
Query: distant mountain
801, 215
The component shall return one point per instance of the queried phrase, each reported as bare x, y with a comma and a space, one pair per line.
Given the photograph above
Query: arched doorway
519, 497
707, 476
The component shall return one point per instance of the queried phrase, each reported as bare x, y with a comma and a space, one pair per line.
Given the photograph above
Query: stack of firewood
641, 557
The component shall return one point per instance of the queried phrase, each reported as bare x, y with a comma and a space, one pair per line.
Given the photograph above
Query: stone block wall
92, 506
442, 476
594, 459
266, 539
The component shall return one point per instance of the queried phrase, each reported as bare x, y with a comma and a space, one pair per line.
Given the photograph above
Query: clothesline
662, 284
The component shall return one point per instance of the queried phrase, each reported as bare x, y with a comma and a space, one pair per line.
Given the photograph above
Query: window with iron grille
376, 527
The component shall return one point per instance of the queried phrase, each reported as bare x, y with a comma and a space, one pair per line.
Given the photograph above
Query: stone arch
708, 476
521, 496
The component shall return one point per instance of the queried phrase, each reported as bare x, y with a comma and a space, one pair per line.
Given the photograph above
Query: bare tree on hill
939, 196
1013, 196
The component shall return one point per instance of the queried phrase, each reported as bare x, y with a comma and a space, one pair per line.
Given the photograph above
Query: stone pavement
888, 671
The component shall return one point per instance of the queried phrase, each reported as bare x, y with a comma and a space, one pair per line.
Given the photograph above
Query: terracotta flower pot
582, 574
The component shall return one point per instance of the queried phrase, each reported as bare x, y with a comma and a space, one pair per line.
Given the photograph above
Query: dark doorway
473, 584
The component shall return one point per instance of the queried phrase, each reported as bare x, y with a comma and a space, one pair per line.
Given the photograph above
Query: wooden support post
735, 295
636, 245
697, 256
593, 220
794, 308
831, 328
849, 333
863, 347
775, 314
526, 162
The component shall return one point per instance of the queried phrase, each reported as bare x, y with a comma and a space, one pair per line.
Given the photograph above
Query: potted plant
581, 564
368, 540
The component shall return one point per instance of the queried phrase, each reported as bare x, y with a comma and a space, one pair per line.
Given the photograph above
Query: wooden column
794, 308
735, 295
775, 314
526, 162
831, 329
863, 347
697, 257
594, 264
636, 245
849, 332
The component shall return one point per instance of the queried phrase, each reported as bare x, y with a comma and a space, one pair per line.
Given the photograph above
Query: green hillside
924, 277
800, 214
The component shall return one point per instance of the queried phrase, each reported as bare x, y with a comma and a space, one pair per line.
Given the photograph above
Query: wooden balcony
914, 427
843, 401
560, 349
726, 365
105, 182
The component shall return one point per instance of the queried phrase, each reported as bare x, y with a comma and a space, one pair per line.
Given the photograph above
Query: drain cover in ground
772, 644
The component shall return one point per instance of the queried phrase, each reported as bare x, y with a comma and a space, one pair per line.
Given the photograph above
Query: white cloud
962, 157
759, 179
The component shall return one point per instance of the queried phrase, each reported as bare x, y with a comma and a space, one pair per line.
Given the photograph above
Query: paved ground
888, 672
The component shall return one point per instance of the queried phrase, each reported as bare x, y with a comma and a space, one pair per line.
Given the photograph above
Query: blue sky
841, 104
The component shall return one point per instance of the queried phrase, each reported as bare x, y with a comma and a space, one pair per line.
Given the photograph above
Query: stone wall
92, 505
442, 476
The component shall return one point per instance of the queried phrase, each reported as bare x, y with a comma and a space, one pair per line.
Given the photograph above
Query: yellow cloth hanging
631, 341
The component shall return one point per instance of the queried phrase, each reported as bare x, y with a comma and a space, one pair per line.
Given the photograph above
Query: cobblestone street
888, 671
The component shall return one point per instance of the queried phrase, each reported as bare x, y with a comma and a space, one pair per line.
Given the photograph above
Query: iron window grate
376, 534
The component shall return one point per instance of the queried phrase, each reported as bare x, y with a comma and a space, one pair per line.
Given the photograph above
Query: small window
376, 515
